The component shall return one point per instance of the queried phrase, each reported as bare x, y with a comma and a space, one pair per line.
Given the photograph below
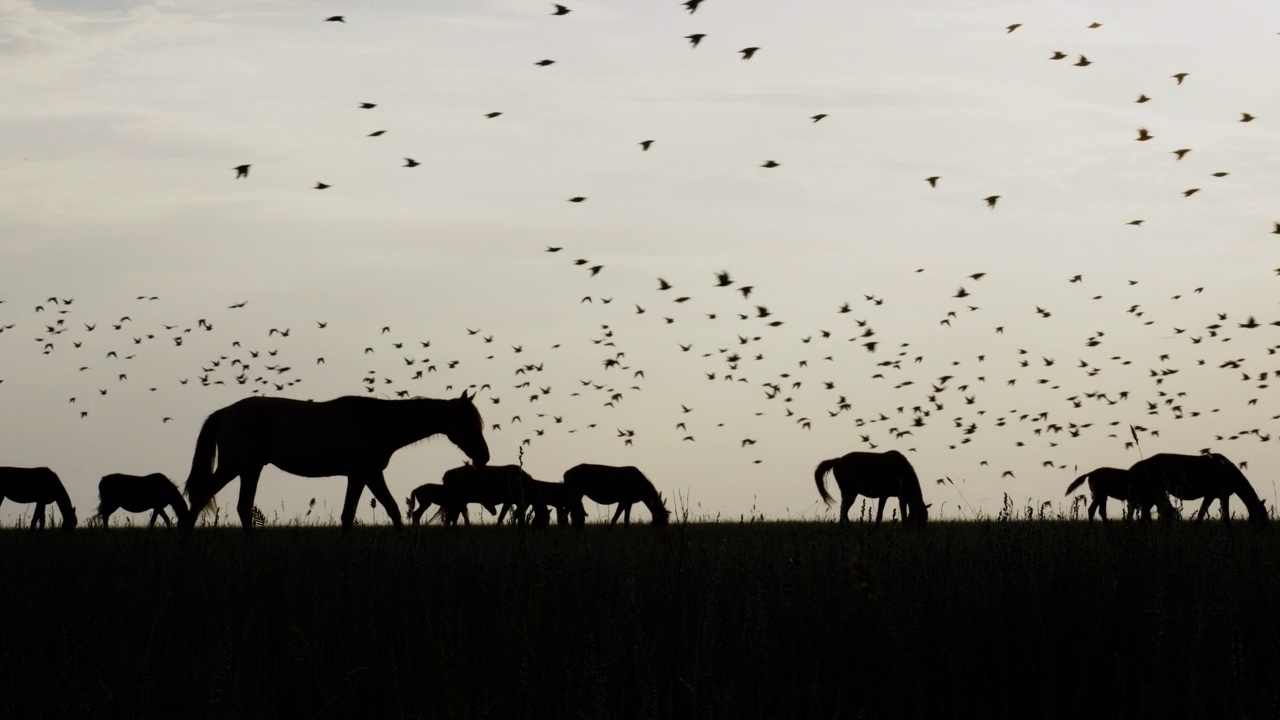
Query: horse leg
378, 486
37, 518
248, 490
1101, 504
502, 515
163, 516
626, 516
354, 487
1225, 502
880, 511
845, 504
618, 514
1204, 507
105, 513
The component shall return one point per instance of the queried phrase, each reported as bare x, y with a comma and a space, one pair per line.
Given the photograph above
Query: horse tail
1076, 483
819, 475
199, 481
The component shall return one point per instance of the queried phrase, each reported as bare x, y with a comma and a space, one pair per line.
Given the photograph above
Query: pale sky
120, 123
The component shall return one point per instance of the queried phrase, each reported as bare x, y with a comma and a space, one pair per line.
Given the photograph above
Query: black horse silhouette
1211, 476
136, 493
545, 496
351, 436
606, 484
877, 475
490, 486
1135, 490
446, 498
40, 486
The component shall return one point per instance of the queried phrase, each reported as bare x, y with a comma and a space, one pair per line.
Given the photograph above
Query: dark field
999, 619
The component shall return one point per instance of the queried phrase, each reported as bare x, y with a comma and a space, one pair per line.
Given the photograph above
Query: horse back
28, 485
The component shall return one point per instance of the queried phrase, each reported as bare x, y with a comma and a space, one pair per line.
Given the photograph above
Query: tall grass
755, 620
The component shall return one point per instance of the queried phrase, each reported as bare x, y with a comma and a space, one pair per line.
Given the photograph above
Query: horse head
467, 430
661, 515
69, 519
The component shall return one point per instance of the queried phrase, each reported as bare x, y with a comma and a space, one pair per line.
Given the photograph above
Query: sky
120, 123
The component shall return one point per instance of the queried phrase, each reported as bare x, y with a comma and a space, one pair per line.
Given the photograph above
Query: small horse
606, 484
424, 496
1211, 476
877, 475
490, 486
40, 486
140, 494
1135, 491
545, 495
351, 436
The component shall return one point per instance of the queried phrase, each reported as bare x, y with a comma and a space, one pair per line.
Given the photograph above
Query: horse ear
464, 396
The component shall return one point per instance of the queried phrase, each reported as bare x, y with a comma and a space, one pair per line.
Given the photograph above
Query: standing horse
1135, 491
424, 496
140, 494
351, 436
877, 475
1211, 476
40, 486
607, 485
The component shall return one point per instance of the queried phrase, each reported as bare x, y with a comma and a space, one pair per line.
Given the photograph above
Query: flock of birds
795, 373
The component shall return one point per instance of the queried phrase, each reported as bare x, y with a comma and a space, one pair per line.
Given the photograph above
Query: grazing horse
351, 436
490, 486
40, 486
1135, 491
140, 494
877, 475
424, 496
1211, 476
607, 485
545, 495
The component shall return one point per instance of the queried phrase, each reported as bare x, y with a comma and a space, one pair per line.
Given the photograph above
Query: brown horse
139, 494
1134, 490
1192, 477
40, 486
351, 436
877, 475
607, 485
424, 496
490, 486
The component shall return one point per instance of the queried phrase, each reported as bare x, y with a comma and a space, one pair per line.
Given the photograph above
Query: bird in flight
695, 38
336, 18
1142, 98
1143, 135
242, 171
1180, 77
377, 133
933, 181
748, 53
410, 162
1083, 62
1012, 27
561, 10
368, 106
544, 63
1181, 152
576, 199
770, 164
818, 117
492, 115
320, 185
644, 145
1058, 55
991, 201
722, 279
1246, 117
1094, 26
692, 5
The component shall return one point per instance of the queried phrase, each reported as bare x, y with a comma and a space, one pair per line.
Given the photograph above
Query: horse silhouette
40, 486
545, 496
351, 436
446, 498
607, 484
1135, 490
139, 494
876, 475
490, 486
1192, 477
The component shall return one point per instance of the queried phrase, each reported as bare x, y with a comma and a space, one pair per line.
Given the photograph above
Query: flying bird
1246, 117
1189, 193
991, 201
1058, 55
367, 106
748, 53
576, 199
561, 10
377, 133
1094, 26
544, 63
644, 145
410, 162
695, 38
818, 117
1142, 98
1181, 152
320, 185
1012, 27
336, 18
1083, 62
770, 164
1143, 135
1180, 77
933, 180
692, 5
242, 171
492, 115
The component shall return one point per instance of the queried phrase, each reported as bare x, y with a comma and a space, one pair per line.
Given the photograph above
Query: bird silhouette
321, 186
1012, 27
748, 53
991, 201
695, 38
368, 106
1058, 55
561, 10
1180, 77
336, 18
1246, 117
933, 180
818, 117
410, 162
545, 63
644, 145
1083, 62
770, 164
242, 171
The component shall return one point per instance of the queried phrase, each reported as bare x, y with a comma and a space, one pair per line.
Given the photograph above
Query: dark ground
765, 620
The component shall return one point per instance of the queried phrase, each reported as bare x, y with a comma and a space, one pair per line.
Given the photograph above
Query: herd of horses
356, 436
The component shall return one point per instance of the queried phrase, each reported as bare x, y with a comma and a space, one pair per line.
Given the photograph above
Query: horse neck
1240, 485
409, 421
63, 501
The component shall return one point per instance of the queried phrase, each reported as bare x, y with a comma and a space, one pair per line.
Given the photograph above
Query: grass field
757, 620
